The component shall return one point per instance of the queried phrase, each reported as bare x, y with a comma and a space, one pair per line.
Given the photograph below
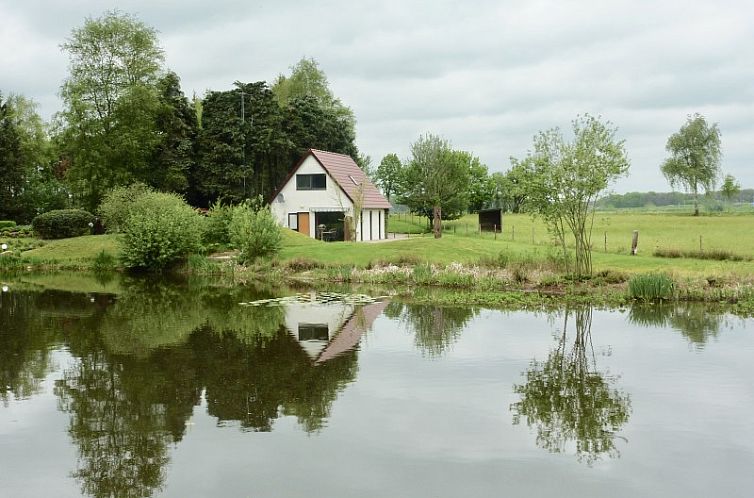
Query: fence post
605, 241
634, 242
494, 227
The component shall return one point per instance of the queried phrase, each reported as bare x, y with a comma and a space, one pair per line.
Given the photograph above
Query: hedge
62, 223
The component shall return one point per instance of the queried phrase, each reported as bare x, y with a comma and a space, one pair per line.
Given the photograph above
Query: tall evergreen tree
12, 170
176, 122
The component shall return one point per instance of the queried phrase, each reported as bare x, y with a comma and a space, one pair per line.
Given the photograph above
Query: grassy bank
489, 269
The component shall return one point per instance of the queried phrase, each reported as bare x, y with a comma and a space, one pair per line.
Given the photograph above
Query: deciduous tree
110, 103
694, 161
437, 180
564, 179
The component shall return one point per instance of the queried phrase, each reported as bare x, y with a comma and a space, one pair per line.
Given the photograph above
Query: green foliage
173, 158
63, 223
116, 206
713, 254
481, 187
7, 224
389, 175
694, 160
104, 262
651, 287
217, 227
111, 102
563, 181
254, 231
437, 180
731, 188
160, 231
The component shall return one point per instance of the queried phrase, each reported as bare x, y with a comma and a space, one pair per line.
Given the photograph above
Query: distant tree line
125, 119
661, 199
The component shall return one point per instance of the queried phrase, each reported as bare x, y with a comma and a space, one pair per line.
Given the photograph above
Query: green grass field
731, 232
522, 237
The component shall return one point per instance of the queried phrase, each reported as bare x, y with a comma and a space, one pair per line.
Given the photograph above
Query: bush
254, 231
116, 206
217, 225
7, 224
103, 262
651, 287
63, 223
160, 230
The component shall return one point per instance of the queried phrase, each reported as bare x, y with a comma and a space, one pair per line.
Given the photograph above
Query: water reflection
435, 328
142, 361
569, 401
695, 322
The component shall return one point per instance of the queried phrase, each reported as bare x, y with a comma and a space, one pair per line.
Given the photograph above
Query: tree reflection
435, 328
697, 323
569, 401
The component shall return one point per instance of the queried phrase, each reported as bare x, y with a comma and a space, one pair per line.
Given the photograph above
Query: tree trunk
696, 203
437, 221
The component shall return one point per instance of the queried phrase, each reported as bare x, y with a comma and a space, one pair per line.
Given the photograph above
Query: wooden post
634, 242
700, 244
454, 229
605, 241
494, 227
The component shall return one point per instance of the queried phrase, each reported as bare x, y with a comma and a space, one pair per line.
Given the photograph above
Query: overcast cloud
487, 75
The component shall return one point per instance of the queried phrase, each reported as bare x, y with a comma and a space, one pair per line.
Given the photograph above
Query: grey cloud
486, 75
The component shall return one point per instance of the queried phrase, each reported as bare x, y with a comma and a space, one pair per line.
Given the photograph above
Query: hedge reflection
569, 401
696, 323
144, 360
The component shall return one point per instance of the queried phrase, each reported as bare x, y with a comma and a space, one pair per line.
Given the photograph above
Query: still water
140, 389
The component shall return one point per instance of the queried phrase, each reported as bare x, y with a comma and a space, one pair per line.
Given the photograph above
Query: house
318, 197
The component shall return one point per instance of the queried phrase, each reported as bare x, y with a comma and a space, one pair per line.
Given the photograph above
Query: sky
486, 75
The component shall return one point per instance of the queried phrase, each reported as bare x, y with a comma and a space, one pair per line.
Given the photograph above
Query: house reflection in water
326, 329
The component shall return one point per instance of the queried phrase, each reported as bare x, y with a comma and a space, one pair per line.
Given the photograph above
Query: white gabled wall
308, 201
374, 225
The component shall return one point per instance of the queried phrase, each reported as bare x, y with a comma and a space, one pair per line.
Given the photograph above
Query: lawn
522, 237
74, 251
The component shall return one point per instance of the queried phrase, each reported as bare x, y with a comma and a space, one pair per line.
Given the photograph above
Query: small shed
491, 220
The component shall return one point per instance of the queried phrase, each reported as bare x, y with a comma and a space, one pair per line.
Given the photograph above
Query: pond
137, 388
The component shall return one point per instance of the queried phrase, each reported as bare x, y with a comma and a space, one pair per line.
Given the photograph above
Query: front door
303, 223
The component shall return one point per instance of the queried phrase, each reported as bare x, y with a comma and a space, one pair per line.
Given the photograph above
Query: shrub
63, 223
116, 206
160, 230
651, 287
713, 254
104, 261
217, 225
7, 224
302, 264
254, 232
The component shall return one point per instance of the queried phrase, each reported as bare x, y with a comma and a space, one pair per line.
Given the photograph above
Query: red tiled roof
342, 168
345, 172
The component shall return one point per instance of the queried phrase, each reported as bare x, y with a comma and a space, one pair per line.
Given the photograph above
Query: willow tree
564, 179
694, 161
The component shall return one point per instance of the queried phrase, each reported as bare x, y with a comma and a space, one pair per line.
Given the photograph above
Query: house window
313, 332
293, 221
311, 182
